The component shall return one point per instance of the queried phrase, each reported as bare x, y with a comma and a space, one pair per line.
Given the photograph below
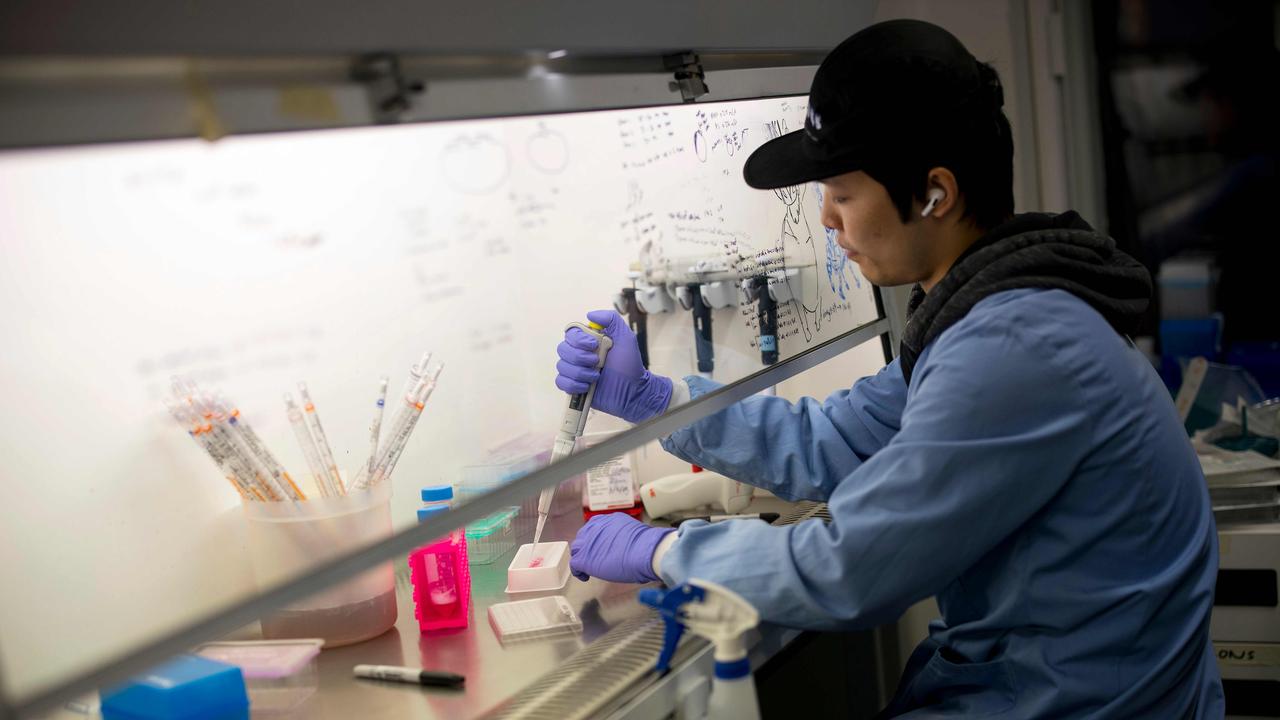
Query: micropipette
702, 330
628, 304
767, 319
321, 442
318, 473
575, 419
375, 430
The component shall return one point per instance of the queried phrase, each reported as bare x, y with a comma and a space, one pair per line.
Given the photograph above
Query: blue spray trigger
668, 604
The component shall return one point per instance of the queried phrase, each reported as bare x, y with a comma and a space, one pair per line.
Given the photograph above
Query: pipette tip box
525, 620
185, 688
280, 674
539, 568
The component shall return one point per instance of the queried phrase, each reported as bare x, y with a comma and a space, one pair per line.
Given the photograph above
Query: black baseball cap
877, 94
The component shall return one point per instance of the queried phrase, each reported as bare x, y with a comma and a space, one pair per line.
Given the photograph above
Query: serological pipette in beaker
219, 443
375, 428
404, 410
186, 419
322, 442
240, 450
284, 483
299, 424
402, 441
415, 374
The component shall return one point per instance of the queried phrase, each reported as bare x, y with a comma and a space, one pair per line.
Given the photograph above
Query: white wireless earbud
935, 197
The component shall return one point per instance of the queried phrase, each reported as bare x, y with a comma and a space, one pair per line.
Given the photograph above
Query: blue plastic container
186, 688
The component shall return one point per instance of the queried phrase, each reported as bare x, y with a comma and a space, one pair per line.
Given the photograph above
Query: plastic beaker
285, 538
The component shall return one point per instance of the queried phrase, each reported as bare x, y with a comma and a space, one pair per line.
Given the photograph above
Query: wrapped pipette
189, 422
243, 458
257, 448
321, 442
402, 425
228, 443
318, 472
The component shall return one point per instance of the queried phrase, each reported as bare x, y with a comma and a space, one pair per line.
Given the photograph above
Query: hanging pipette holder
287, 538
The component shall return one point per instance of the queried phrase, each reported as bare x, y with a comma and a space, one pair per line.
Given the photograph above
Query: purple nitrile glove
615, 547
625, 388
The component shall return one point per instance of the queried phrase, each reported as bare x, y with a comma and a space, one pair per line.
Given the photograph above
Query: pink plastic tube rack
440, 604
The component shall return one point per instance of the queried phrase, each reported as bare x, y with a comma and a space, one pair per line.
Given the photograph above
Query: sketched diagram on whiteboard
838, 270
548, 150
475, 164
798, 250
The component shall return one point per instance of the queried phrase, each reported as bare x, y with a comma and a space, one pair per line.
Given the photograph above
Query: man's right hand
624, 388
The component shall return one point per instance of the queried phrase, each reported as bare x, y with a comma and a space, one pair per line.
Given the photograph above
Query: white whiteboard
331, 257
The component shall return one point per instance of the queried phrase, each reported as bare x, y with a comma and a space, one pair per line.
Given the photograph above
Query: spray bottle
720, 615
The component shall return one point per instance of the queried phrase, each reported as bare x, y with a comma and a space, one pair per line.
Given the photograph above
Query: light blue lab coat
1034, 476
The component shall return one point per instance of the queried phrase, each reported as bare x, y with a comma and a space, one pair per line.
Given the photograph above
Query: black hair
975, 143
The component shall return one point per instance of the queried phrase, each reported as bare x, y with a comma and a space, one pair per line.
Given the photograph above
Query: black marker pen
413, 676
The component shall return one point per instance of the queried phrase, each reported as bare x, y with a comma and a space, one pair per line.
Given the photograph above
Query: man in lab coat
1019, 460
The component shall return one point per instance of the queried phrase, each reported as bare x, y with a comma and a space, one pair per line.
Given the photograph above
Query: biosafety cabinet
246, 196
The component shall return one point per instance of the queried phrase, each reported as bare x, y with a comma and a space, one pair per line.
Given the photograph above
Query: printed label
610, 485
768, 343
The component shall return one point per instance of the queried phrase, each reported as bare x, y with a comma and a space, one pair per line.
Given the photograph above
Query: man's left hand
617, 548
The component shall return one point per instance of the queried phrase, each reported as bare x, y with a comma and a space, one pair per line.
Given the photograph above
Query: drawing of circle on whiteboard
548, 150
475, 164
700, 145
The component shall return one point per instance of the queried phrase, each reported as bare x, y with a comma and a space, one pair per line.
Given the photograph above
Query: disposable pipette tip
537, 533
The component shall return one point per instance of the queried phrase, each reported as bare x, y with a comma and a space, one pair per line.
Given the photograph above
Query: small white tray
548, 569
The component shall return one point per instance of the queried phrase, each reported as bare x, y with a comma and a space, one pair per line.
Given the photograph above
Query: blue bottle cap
435, 493
426, 512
